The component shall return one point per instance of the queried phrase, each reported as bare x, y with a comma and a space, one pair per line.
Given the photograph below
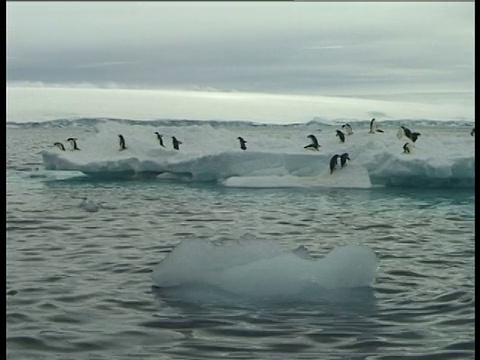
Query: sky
361, 50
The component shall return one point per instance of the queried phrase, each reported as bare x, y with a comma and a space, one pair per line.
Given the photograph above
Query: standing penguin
242, 143
407, 148
314, 145
160, 139
348, 129
374, 127
122, 142
343, 159
334, 162
176, 143
341, 135
73, 142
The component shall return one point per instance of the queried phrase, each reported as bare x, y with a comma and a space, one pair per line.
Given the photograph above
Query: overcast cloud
324, 48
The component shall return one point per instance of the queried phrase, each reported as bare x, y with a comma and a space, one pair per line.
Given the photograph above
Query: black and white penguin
59, 145
406, 131
413, 136
343, 159
176, 143
122, 142
73, 142
374, 127
334, 162
160, 139
242, 143
341, 135
472, 133
348, 129
407, 148
314, 145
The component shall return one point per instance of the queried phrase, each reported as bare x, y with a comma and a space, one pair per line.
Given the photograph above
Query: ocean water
211, 252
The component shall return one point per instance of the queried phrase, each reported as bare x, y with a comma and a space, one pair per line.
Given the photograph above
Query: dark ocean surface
80, 284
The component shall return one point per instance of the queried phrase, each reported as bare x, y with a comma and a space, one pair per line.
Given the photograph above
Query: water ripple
79, 284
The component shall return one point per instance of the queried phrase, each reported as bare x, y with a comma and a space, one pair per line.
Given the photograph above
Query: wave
274, 157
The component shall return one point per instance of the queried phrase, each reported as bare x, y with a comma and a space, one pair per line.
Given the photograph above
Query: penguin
73, 142
343, 159
472, 133
122, 142
242, 143
341, 135
314, 145
374, 127
348, 129
414, 136
159, 137
334, 162
176, 143
407, 132
59, 145
407, 148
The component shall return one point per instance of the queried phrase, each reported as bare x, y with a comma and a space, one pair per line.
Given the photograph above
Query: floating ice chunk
261, 269
89, 205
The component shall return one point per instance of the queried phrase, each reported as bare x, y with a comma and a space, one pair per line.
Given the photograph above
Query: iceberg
275, 156
256, 269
